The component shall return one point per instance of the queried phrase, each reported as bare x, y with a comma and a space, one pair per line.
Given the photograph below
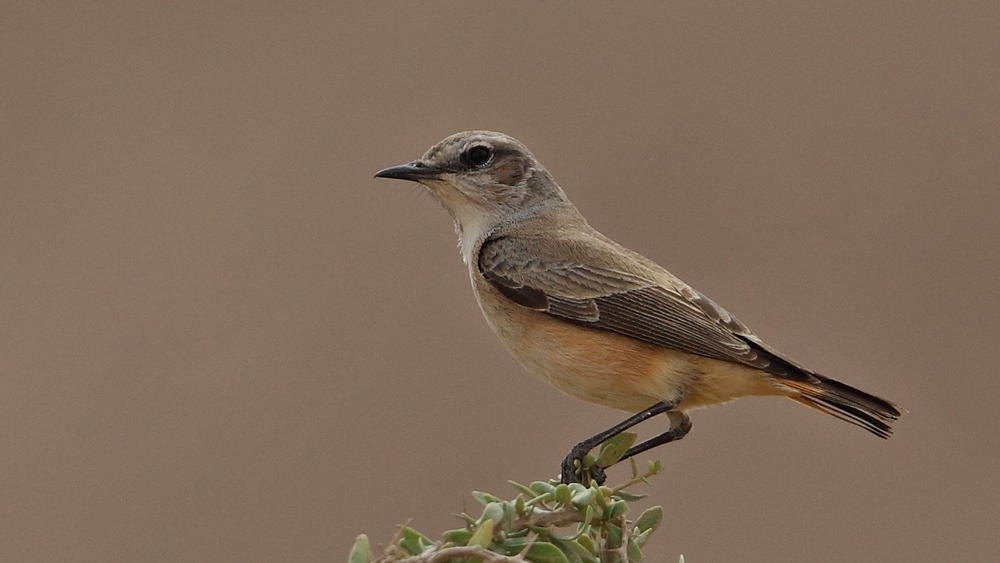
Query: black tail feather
872, 413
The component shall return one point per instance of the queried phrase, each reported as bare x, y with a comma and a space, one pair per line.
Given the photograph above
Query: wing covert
605, 297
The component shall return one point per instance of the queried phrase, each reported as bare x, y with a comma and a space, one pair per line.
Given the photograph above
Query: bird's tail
872, 413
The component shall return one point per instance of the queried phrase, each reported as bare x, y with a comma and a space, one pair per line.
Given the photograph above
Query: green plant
547, 522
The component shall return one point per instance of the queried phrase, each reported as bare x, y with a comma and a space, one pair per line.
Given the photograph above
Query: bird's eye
478, 155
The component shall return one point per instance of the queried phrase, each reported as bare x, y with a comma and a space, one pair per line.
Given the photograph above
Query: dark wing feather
607, 298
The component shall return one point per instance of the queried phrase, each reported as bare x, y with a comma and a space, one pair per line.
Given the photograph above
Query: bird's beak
415, 171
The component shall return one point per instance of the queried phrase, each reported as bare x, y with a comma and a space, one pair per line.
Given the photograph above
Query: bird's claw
573, 470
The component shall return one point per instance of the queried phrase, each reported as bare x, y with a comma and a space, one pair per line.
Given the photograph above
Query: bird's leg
573, 474
680, 425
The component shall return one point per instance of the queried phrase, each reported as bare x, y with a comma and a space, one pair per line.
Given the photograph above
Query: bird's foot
581, 467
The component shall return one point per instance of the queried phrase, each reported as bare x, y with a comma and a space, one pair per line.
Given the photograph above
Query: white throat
470, 230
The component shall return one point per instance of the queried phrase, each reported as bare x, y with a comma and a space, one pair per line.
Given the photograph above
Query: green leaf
642, 538
582, 499
629, 497
573, 548
361, 552
483, 535
492, 512
526, 490
634, 553
484, 498
584, 525
562, 494
614, 540
603, 499
587, 542
570, 553
459, 536
514, 544
545, 552
413, 542
616, 509
614, 448
654, 467
509, 511
541, 487
650, 518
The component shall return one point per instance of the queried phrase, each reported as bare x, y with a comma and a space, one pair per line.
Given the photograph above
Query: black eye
478, 155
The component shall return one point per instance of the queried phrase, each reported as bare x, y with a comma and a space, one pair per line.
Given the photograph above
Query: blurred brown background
223, 340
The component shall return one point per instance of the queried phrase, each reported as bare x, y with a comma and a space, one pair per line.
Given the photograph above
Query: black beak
415, 171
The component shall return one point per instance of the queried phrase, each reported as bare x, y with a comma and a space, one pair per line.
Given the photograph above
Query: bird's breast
594, 365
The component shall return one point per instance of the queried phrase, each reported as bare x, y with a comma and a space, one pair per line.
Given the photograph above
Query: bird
596, 320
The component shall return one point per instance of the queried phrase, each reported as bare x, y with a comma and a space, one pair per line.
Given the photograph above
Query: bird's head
483, 179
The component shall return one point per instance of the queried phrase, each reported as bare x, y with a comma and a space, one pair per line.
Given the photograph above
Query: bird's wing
579, 282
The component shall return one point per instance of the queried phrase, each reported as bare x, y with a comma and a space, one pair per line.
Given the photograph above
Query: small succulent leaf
494, 512
582, 553
509, 511
588, 515
513, 545
649, 519
614, 448
361, 552
562, 494
413, 542
541, 487
483, 535
614, 539
523, 488
642, 538
458, 536
484, 498
584, 498
634, 553
603, 499
588, 543
629, 497
565, 547
545, 552
618, 508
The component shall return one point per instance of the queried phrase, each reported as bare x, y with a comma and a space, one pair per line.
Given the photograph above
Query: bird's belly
610, 369
596, 366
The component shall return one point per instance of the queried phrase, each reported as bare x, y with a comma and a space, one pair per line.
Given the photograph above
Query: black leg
680, 425
577, 453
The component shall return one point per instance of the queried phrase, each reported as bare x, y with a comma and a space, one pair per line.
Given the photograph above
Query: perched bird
595, 319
